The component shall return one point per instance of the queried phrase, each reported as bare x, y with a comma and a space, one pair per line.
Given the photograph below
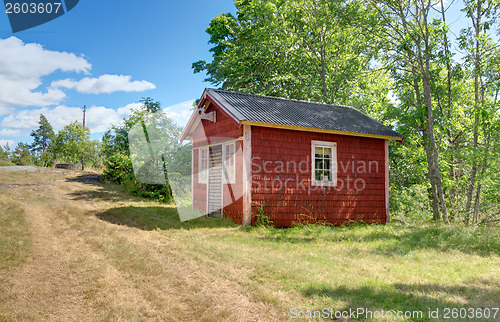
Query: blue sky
107, 55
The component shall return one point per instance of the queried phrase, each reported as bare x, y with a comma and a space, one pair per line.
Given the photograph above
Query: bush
261, 218
5, 163
158, 192
117, 168
410, 203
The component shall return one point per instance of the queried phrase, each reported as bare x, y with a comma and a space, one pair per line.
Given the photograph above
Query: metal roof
295, 113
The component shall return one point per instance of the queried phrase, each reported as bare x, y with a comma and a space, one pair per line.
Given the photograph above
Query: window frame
333, 164
202, 173
225, 178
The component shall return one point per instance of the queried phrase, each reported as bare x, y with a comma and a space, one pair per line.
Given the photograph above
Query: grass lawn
133, 259
311, 267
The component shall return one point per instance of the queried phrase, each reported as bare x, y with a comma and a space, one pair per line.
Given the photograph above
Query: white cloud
11, 143
4, 110
23, 65
98, 118
105, 84
180, 112
9, 132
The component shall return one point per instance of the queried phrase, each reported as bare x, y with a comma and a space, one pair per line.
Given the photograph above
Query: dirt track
81, 267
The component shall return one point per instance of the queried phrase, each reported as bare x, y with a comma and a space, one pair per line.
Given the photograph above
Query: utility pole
83, 128
84, 109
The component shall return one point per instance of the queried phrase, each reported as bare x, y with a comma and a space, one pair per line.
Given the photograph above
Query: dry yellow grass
91, 252
83, 268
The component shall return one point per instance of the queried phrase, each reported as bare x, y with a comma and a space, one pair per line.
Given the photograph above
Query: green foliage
73, 145
6, 163
150, 105
161, 193
179, 161
410, 203
162, 136
70, 142
22, 155
5, 153
42, 142
302, 49
261, 218
117, 167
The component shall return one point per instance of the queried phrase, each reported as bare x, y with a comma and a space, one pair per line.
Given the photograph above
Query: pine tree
42, 142
43, 136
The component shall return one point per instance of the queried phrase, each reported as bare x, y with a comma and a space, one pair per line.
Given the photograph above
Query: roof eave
318, 130
215, 99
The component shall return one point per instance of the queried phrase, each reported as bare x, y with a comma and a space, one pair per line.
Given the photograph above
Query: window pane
327, 176
318, 164
327, 164
318, 151
327, 153
318, 175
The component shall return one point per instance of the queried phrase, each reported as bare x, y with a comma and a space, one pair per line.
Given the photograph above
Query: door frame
232, 140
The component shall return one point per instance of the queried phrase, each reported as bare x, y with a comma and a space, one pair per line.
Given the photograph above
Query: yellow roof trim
312, 129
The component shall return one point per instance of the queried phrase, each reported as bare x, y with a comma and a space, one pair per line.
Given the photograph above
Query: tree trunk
477, 66
448, 106
427, 147
436, 215
426, 82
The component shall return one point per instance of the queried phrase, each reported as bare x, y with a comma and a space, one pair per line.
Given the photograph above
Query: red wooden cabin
300, 161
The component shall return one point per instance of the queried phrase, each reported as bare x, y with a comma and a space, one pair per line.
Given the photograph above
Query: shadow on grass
162, 218
407, 298
146, 218
89, 178
101, 191
391, 240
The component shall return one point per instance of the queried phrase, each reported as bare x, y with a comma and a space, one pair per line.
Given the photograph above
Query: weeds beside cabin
294, 161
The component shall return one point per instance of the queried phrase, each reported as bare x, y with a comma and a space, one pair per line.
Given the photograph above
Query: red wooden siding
233, 193
208, 132
287, 193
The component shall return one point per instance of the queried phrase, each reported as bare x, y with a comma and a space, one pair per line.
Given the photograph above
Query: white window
229, 163
324, 163
202, 165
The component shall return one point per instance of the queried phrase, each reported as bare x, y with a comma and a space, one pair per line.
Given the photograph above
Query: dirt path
83, 268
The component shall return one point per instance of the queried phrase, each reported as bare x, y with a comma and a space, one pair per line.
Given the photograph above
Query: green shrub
158, 192
5, 163
117, 168
261, 218
410, 203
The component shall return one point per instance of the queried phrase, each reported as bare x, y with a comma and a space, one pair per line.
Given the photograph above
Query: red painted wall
287, 193
233, 193
208, 132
